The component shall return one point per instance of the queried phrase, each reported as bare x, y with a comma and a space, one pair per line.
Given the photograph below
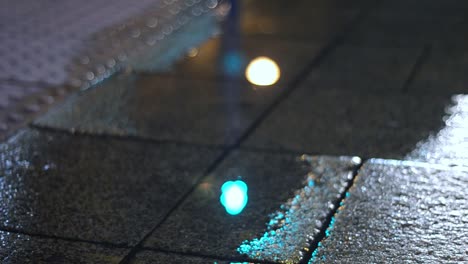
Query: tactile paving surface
74, 44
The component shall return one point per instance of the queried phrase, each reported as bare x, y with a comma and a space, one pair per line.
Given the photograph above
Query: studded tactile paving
71, 45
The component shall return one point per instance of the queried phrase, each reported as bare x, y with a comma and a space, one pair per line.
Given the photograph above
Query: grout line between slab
416, 69
76, 240
328, 220
209, 170
126, 137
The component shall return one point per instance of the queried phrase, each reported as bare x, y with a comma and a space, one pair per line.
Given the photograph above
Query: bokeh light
234, 196
262, 71
192, 52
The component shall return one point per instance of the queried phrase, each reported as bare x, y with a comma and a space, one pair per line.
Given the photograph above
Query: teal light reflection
234, 196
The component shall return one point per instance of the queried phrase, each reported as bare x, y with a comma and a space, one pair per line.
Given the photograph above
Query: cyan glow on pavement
234, 196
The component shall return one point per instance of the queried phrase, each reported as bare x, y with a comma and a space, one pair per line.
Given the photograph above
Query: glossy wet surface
406, 211
21, 248
150, 256
93, 189
288, 203
335, 125
186, 106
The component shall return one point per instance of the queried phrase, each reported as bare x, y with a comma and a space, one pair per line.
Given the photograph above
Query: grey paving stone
453, 36
20, 249
406, 25
361, 68
444, 72
221, 58
332, 121
429, 6
93, 188
150, 257
164, 108
289, 197
401, 212
282, 20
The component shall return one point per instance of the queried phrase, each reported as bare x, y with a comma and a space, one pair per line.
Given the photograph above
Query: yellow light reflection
262, 71
192, 52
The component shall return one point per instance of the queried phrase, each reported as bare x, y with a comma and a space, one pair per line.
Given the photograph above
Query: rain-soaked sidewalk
308, 132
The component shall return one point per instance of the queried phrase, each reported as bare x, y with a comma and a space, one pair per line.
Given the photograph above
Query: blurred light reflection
234, 196
262, 71
232, 63
192, 52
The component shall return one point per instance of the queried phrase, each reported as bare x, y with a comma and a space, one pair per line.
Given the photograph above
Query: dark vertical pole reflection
230, 66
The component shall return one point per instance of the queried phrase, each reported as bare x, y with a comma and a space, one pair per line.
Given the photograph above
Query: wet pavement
356, 151
21, 248
200, 225
399, 210
93, 189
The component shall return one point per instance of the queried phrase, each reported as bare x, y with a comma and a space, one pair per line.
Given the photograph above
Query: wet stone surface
443, 72
279, 19
227, 57
318, 118
93, 188
289, 198
402, 211
19, 248
164, 108
150, 257
402, 23
362, 68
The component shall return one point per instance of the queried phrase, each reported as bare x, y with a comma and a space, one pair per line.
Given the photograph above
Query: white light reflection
450, 145
262, 71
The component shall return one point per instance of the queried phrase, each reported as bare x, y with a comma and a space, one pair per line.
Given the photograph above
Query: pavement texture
358, 153
394, 212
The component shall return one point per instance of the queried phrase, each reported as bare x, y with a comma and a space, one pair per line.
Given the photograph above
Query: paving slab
281, 20
321, 119
289, 198
408, 24
444, 71
164, 108
151, 256
93, 188
20, 248
402, 212
364, 68
453, 36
